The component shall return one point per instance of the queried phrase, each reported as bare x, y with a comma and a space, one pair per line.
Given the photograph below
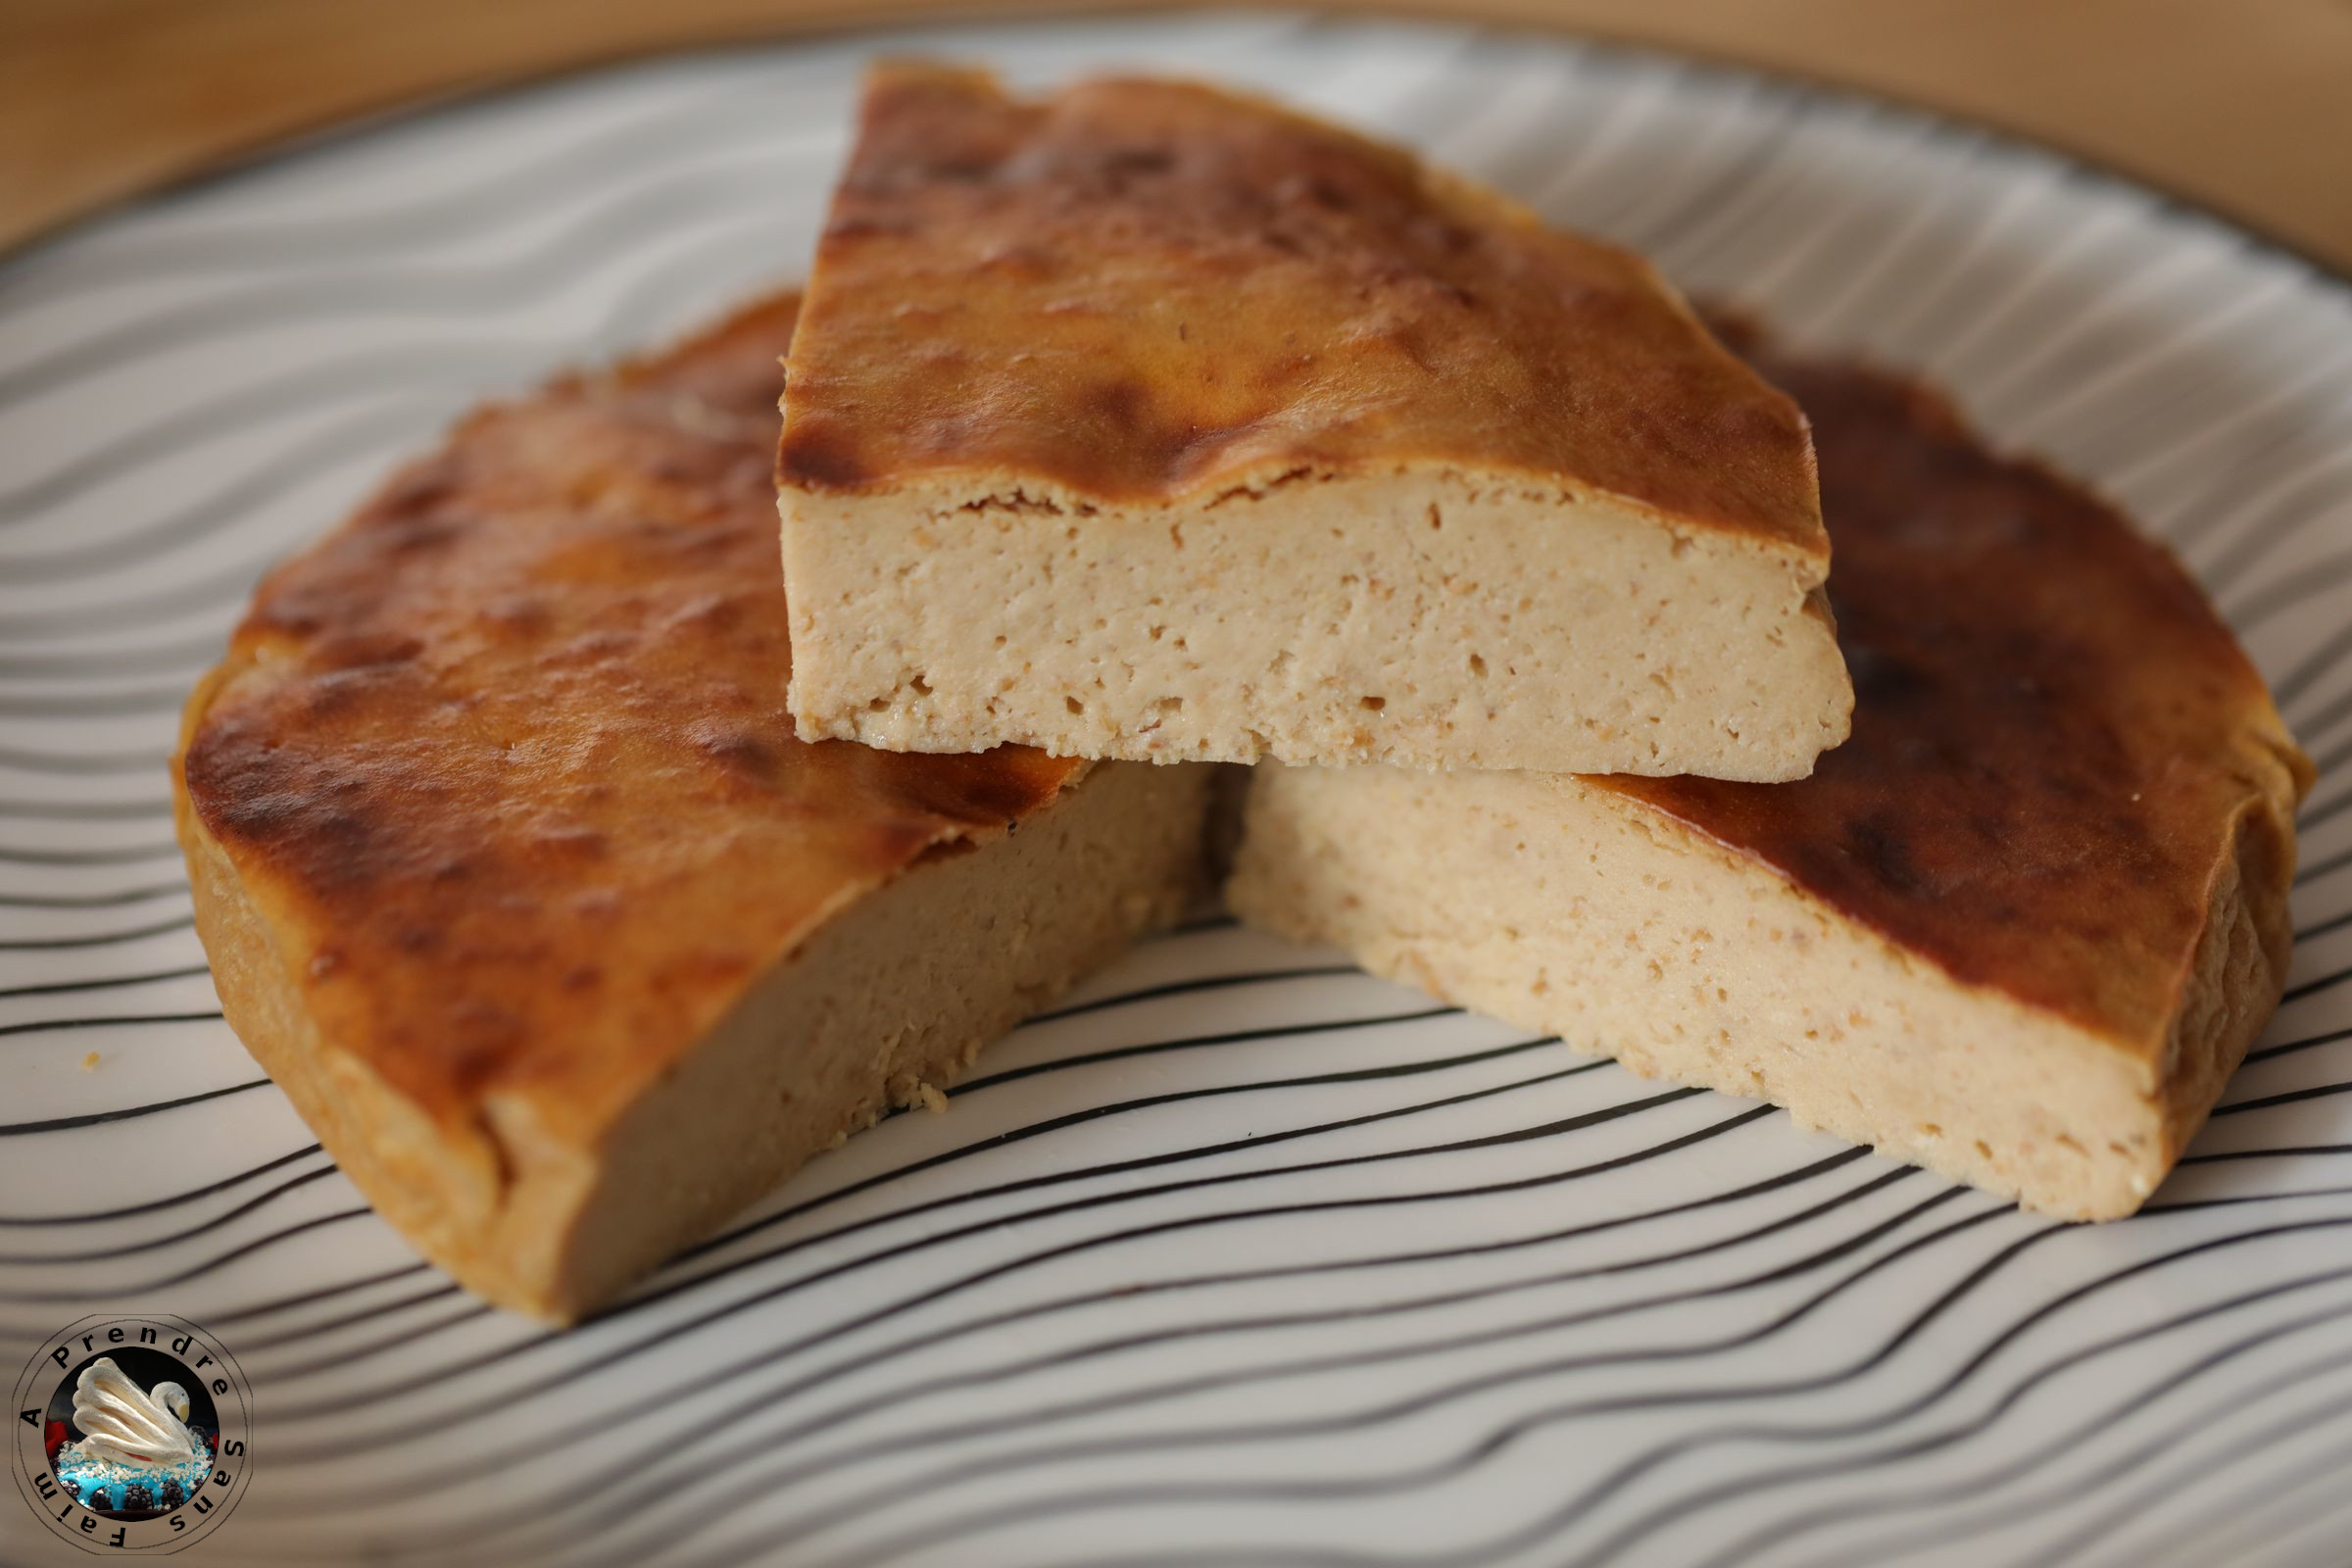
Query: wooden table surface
2244, 106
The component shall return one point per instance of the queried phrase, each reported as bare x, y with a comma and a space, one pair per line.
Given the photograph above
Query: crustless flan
1145, 421
516, 876
2018, 929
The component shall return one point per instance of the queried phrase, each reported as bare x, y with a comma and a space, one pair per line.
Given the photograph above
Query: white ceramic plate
1242, 1259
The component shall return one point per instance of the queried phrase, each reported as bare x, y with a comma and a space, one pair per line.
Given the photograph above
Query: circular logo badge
132, 1433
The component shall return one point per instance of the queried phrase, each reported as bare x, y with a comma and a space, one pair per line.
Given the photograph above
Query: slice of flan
515, 877
1145, 421
2017, 929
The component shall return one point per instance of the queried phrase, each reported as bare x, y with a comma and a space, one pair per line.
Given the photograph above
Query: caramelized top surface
504, 760
1143, 291
2055, 743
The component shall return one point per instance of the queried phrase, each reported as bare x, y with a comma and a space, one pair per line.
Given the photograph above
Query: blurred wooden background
2242, 104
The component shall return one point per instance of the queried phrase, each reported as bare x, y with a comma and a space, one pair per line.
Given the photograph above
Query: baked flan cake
516, 876
1147, 421
2017, 929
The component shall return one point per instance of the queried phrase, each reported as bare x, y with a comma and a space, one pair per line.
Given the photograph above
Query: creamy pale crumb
1432, 621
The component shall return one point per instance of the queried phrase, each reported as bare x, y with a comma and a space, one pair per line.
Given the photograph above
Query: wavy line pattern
1237, 1256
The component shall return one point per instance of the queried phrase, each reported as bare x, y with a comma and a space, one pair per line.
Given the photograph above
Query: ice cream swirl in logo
133, 1433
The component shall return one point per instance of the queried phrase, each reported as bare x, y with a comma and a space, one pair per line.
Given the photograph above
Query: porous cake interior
1430, 619
1570, 909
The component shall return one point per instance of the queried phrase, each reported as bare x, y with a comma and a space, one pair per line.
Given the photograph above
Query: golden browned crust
2063, 769
1152, 291
503, 765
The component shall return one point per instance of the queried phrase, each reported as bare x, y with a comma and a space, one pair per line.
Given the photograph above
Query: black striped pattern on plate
1240, 1257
